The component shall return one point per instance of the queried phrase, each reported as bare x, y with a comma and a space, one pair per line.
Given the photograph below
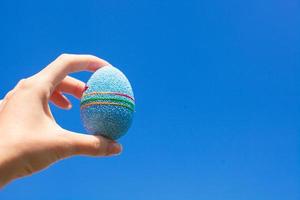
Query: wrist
8, 165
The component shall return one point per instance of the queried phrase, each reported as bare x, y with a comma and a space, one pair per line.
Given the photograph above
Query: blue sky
216, 85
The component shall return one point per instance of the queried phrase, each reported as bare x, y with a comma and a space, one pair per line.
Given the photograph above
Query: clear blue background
217, 89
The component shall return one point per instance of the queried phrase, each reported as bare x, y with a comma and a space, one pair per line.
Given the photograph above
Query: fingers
60, 100
55, 72
72, 86
90, 145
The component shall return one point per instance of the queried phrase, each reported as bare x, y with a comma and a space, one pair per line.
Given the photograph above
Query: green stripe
90, 100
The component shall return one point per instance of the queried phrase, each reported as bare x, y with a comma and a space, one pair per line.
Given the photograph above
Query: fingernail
114, 149
85, 88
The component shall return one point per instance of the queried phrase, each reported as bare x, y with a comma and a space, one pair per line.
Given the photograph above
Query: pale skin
30, 139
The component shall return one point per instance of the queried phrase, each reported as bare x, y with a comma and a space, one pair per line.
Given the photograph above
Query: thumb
92, 145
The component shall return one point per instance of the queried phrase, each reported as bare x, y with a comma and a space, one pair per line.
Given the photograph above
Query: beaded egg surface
107, 106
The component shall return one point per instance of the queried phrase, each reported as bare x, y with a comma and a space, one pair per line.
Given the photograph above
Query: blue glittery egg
107, 105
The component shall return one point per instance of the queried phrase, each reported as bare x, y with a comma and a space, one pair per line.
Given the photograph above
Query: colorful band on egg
113, 93
97, 99
92, 100
106, 103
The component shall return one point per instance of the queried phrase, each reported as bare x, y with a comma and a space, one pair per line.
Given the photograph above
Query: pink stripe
124, 95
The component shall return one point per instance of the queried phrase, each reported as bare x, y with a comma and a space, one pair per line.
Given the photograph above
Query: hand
30, 139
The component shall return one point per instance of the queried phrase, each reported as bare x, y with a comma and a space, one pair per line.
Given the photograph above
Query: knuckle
64, 148
32, 84
78, 89
65, 58
97, 147
69, 60
9, 95
23, 84
66, 151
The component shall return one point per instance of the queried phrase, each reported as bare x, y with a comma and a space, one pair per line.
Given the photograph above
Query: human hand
30, 139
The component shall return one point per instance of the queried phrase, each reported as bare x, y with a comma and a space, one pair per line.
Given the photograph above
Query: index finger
65, 64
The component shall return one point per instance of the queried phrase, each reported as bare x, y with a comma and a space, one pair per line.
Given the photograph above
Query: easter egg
107, 105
